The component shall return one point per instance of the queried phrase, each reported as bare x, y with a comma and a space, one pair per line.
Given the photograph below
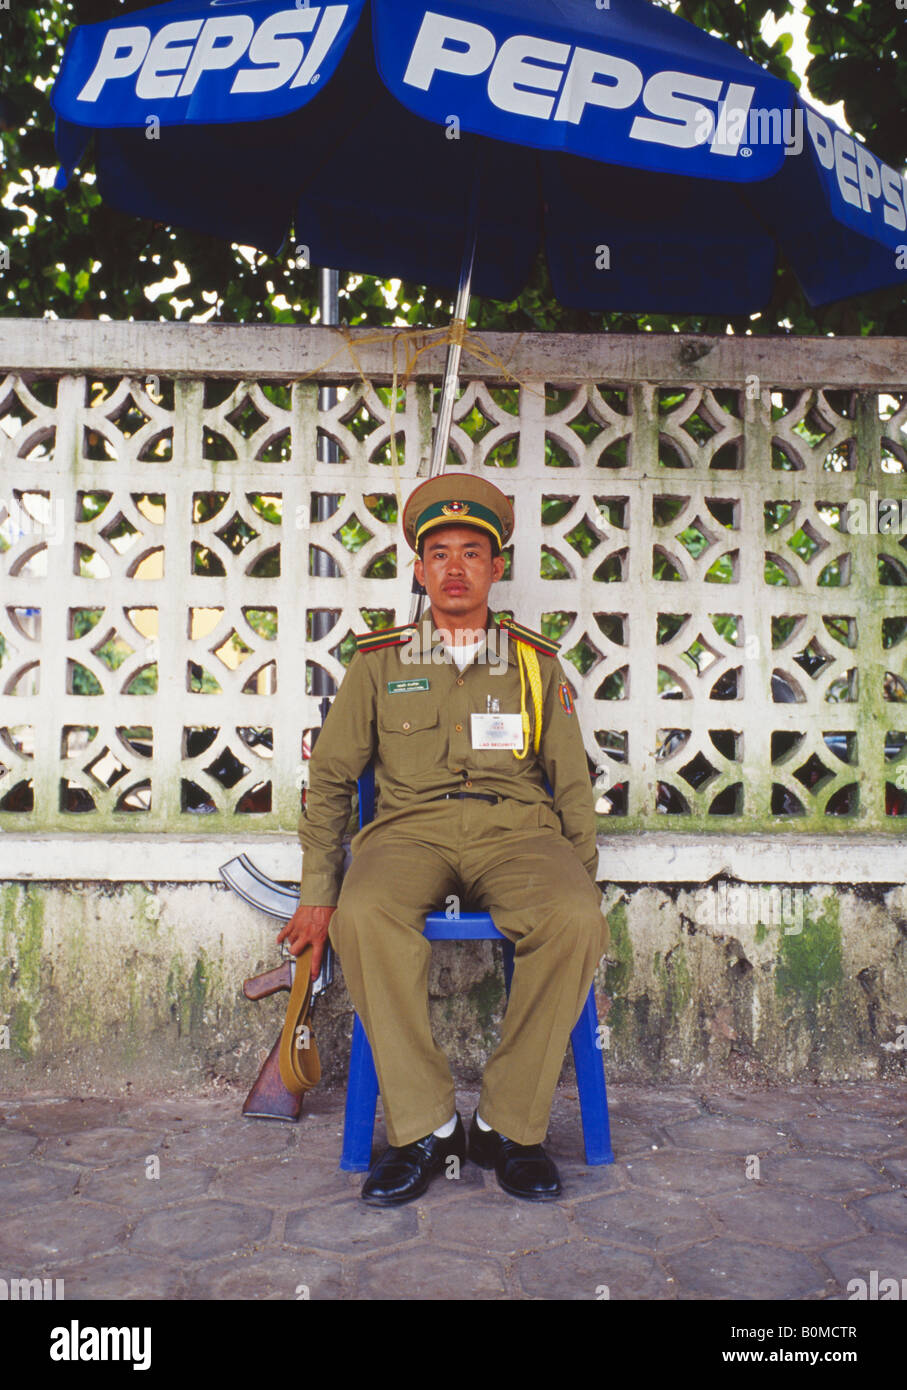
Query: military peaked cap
457, 499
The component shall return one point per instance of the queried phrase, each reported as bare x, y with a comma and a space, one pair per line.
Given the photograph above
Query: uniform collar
493, 633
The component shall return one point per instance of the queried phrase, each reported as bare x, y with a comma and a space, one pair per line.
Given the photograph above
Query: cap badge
455, 508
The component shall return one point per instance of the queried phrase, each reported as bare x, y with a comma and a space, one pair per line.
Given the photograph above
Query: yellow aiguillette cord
528, 663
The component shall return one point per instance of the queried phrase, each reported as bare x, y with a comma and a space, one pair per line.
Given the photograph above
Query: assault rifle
269, 1098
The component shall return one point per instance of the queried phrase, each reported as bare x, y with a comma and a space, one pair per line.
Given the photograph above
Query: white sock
446, 1130
481, 1123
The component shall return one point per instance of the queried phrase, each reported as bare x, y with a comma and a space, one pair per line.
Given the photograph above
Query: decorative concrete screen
712, 528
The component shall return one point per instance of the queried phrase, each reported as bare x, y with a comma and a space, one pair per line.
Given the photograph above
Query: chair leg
590, 1079
507, 955
361, 1102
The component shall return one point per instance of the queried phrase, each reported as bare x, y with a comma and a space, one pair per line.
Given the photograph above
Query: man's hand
308, 927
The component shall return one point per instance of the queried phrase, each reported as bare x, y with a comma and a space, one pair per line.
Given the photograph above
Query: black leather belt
467, 796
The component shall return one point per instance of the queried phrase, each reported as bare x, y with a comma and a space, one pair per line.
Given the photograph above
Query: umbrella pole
452, 366
451, 379
325, 506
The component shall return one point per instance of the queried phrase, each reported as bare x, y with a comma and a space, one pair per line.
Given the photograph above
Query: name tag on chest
405, 687
497, 731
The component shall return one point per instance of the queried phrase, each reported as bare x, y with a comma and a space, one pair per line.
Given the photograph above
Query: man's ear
498, 566
419, 570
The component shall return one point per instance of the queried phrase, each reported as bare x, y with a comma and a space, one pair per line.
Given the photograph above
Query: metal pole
452, 365
451, 379
322, 564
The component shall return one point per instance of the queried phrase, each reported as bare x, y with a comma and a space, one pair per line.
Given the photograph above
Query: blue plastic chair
362, 1086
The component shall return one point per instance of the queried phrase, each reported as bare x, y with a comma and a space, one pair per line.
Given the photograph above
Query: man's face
457, 569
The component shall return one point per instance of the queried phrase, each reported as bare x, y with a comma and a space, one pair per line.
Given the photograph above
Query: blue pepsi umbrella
659, 167
446, 141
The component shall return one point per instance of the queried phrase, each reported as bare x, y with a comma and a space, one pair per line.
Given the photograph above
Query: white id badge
497, 731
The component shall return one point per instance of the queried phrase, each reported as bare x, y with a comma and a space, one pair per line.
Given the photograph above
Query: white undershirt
462, 654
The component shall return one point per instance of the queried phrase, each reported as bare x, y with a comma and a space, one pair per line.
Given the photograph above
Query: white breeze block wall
685, 528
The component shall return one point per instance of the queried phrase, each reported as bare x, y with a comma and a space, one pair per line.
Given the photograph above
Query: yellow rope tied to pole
528, 663
413, 342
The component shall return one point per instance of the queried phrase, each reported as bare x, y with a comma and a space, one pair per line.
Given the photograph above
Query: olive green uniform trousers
509, 859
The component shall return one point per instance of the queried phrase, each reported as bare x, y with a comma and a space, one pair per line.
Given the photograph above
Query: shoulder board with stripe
384, 637
531, 639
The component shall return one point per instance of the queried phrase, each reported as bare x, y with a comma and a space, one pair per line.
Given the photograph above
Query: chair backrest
366, 795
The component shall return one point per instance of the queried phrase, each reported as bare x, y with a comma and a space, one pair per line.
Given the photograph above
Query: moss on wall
673, 974
122, 983
23, 941
486, 998
810, 962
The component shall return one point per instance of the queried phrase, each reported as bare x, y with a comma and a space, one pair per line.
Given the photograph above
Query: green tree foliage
72, 255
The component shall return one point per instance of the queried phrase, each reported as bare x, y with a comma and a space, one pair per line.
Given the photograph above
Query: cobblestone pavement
716, 1192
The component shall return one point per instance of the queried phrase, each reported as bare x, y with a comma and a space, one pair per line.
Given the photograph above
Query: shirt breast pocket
410, 739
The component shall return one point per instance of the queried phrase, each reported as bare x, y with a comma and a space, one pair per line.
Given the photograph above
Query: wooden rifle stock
260, 986
269, 1098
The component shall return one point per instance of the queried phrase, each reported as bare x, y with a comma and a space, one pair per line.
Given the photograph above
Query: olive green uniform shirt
412, 717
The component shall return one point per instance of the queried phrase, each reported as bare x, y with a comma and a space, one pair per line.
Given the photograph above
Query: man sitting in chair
469, 724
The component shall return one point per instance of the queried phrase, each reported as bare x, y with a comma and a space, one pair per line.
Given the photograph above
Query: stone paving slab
127, 1185
275, 1277
122, 1277
841, 1133
97, 1147
716, 1192
670, 1170
735, 1269
886, 1212
583, 1269
202, 1230
823, 1173
792, 1220
14, 1146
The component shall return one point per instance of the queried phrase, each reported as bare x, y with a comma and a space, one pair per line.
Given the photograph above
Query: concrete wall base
112, 985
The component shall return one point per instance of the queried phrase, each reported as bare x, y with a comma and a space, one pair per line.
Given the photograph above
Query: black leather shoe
401, 1174
523, 1170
